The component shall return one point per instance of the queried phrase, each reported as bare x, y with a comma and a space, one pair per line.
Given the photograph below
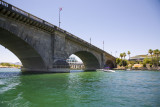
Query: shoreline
138, 69
9, 67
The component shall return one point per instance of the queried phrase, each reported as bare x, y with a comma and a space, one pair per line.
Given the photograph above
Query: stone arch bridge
43, 47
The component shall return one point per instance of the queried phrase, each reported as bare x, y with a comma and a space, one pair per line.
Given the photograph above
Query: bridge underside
89, 60
109, 64
30, 59
33, 62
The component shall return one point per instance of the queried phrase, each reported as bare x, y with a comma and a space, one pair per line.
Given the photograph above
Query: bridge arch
110, 64
29, 57
89, 60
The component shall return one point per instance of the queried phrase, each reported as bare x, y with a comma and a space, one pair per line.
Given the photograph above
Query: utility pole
90, 40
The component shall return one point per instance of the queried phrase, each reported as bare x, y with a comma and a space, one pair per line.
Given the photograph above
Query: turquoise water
80, 89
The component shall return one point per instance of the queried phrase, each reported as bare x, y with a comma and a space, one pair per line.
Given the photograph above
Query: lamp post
103, 45
115, 53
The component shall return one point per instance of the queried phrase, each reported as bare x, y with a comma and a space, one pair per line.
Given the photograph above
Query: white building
74, 64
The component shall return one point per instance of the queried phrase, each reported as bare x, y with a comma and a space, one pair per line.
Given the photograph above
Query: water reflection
83, 87
8, 81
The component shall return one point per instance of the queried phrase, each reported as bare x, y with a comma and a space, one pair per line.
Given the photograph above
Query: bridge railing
3, 3
39, 20
18, 10
44, 22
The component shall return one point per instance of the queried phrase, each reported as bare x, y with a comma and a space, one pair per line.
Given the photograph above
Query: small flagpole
90, 40
60, 17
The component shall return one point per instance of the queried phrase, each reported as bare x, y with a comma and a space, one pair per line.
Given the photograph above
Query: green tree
9, 65
129, 54
124, 63
121, 55
118, 60
124, 55
157, 53
150, 51
147, 61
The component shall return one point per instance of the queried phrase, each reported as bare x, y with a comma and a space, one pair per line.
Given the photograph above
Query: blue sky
124, 25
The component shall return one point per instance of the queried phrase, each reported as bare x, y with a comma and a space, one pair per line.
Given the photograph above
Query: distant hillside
16, 63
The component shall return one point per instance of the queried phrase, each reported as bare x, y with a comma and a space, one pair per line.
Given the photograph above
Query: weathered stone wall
40, 50
37, 41
90, 57
64, 47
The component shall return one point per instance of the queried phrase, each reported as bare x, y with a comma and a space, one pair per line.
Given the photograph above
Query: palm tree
121, 55
129, 54
150, 51
124, 55
157, 53
158, 57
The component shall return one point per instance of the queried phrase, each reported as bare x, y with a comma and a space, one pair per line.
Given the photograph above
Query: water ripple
87, 89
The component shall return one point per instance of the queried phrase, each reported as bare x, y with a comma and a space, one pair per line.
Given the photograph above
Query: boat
99, 69
107, 70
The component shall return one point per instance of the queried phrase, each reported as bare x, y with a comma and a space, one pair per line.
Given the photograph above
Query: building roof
138, 65
140, 57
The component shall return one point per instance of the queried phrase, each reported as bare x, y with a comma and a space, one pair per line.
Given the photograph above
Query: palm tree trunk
152, 58
157, 61
122, 60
